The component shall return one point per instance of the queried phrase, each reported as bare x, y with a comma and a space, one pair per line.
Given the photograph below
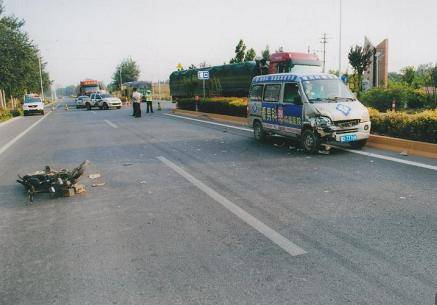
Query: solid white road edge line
212, 123
379, 156
22, 134
364, 153
111, 124
268, 232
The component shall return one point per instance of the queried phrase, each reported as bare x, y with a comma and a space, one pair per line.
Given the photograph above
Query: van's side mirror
297, 100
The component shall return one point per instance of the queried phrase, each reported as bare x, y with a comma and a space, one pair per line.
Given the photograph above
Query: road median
415, 148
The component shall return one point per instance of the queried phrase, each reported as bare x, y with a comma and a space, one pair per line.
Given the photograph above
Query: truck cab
315, 108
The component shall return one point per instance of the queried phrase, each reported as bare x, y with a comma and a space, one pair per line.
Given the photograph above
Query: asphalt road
195, 213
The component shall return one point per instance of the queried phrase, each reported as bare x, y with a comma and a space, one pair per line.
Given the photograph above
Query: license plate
348, 138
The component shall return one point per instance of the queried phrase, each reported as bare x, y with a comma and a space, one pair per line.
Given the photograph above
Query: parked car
103, 101
81, 100
33, 104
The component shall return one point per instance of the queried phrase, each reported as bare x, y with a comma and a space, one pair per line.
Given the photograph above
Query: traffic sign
203, 75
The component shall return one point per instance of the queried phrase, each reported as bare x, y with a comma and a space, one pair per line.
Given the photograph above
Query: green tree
19, 59
250, 55
265, 54
395, 77
129, 71
408, 75
240, 52
360, 58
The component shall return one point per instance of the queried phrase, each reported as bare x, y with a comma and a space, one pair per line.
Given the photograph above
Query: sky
82, 39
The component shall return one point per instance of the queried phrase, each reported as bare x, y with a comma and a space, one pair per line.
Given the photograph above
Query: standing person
136, 100
149, 101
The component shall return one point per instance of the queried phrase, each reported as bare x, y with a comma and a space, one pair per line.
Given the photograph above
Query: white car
103, 101
33, 104
81, 100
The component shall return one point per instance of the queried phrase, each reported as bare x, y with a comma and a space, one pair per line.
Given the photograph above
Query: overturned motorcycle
56, 183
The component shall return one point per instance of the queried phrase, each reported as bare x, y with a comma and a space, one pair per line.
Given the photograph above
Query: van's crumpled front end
341, 122
334, 112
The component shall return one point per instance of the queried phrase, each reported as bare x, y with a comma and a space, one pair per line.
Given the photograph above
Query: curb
214, 117
415, 148
3, 123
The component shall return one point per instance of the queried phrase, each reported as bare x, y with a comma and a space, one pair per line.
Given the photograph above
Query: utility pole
40, 76
121, 83
324, 41
159, 89
339, 45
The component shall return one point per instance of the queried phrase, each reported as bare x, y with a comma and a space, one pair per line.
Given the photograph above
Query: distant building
376, 74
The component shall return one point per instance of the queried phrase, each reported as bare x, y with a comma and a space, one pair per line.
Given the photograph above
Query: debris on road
98, 184
56, 183
94, 176
79, 188
404, 153
127, 164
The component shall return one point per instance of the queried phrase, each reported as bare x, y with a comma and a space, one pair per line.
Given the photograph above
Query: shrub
8, 114
406, 97
5, 115
234, 106
16, 112
421, 126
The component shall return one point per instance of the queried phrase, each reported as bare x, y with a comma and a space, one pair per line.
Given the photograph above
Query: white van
314, 108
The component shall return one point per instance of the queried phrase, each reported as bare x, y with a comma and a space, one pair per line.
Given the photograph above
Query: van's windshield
327, 90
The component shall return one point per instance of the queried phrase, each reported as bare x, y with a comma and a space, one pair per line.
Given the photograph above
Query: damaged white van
314, 108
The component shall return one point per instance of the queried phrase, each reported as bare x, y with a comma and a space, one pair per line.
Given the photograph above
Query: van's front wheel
258, 132
310, 141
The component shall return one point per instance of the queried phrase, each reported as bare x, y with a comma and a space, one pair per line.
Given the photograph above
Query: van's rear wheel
359, 144
310, 141
258, 132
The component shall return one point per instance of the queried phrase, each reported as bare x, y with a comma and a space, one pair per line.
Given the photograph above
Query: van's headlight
323, 121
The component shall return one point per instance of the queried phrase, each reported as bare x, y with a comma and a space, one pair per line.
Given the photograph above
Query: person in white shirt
136, 103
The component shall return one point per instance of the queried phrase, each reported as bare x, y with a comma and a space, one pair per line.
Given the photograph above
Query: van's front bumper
358, 133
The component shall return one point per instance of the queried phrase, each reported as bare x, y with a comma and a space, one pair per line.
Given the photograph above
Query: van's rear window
271, 93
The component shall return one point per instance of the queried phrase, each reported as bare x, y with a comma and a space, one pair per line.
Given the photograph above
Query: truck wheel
359, 144
42, 112
105, 106
310, 141
258, 131
88, 106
